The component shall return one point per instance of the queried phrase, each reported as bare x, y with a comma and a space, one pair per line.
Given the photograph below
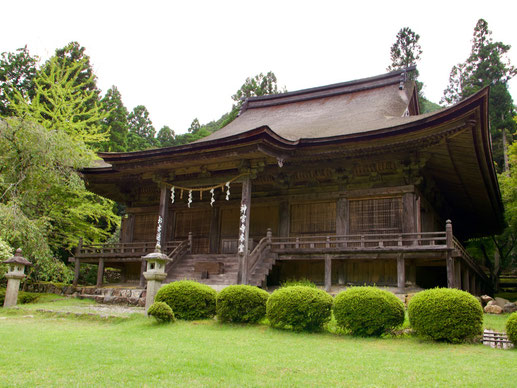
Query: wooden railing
259, 253
335, 243
114, 250
469, 259
178, 253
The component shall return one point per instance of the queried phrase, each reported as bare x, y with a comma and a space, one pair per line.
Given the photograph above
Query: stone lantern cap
18, 259
156, 255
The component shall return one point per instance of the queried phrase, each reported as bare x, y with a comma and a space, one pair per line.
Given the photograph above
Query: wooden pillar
342, 216
77, 268
163, 214
465, 273
472, 283
457, 273
215, 231
100, 273
401, 274
143, 268
77, 265
328, 272
283, 219
408, 213
412, 272
244, 230
449, 261
127, 227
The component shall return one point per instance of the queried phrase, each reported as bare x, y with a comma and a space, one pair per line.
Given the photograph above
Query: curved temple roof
360, 118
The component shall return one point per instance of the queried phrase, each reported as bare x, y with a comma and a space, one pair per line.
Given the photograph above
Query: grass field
45, 350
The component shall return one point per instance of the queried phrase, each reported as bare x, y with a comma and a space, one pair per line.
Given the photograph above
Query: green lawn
44, 350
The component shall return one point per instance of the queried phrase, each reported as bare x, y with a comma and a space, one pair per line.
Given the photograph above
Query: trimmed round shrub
241, 304
299, 307
368, 311
161, 312
511, 328
188, 299
446, 314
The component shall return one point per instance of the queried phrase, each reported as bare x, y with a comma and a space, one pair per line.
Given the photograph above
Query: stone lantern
155, 274
14, 275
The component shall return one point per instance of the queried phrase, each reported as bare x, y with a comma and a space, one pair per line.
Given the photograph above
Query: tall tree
194, 126
405, 52
115, 122
60, 103
487, 65
165, 137
141, 129
17, 72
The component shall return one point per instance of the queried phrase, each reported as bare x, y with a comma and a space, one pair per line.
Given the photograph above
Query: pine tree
487, 65
165, 137
116, 121
141, 129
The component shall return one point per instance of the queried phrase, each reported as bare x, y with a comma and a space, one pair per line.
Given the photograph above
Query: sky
185, 59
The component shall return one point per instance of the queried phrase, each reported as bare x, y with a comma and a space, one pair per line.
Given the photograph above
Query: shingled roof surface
340, 109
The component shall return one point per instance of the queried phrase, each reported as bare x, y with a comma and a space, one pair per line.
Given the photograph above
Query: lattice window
313, 218
196, 221
379, 215
144, 229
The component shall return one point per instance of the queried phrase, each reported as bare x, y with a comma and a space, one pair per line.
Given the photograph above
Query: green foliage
17, 72
368, 311
165, 137
62, 104
188, 299
511, 328
23, 297
44, 206
115, 122
6, 252
298, 307
445, 314
487, 65
298, 282
405, 51
161, 312
241, 304
141, 129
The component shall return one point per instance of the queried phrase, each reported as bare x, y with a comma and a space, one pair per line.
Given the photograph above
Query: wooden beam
457, 273
472, 283
77, 267
163, 213
342, 216
450, 271
465, 278
328, 272
283, 219
401, 274
244, 230
100, 273
215, 231
408, 213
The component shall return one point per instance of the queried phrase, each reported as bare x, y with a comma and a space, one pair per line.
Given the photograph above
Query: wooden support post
244, 230
457, 273
215, 230
328, 272
472, 283
77, 262
163, 214
465, 278
449, 261
100, 273
409, 215
342, 217
143, 268
77, 268
412, 272
283, 219
401, 274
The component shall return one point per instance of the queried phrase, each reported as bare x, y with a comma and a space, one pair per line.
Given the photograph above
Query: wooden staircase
259, 274
189, 268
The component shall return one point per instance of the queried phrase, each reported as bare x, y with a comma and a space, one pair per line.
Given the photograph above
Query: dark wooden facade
353, 197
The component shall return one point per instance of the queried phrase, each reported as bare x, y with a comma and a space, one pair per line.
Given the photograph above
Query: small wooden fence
336, 243
496, 340
120, 250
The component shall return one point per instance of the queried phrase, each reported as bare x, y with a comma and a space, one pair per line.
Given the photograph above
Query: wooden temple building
341, 184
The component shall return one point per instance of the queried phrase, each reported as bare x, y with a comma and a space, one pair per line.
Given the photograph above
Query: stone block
509, 308
99, 298
485, 299
501, 301
141, 302
135, 293
493, 309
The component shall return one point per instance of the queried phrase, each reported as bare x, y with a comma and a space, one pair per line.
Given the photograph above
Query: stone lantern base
154, 282
13, 286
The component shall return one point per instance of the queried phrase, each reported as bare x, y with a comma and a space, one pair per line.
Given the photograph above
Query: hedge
299, 308
241, 304
188, 299
511, 328
368, 311
446, 314
161, 311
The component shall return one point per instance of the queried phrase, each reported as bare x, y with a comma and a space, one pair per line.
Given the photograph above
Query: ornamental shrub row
440, 314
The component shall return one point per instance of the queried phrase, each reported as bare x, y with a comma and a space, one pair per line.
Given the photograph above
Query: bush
161, 312
511, 328
299, 307
23, 297
298, 282
188, 299
240, 303
368, 311
446, 314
